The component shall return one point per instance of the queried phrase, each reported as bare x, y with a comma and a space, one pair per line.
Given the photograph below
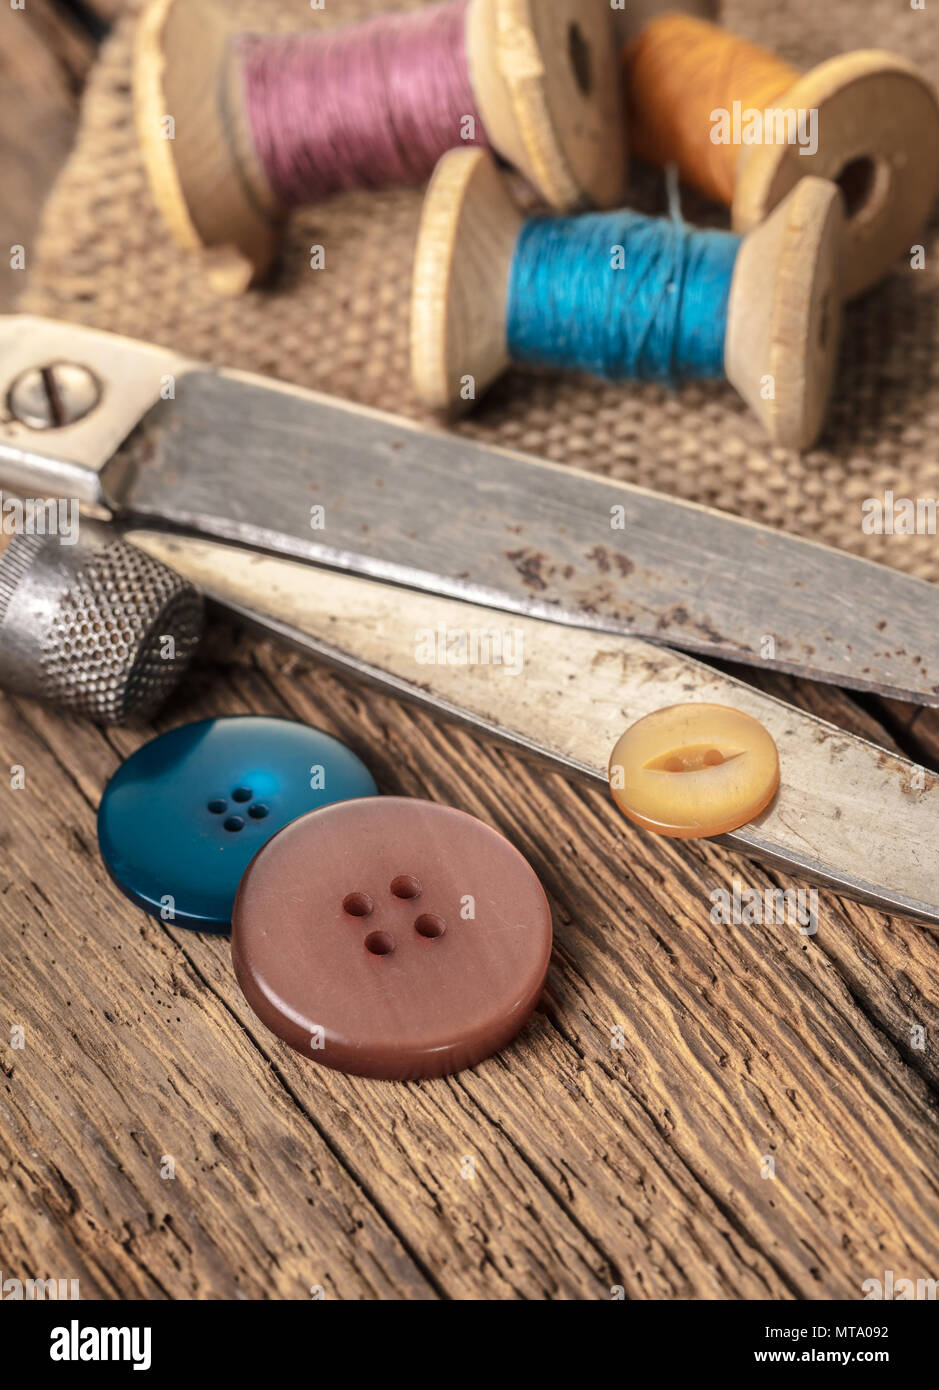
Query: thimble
97, 626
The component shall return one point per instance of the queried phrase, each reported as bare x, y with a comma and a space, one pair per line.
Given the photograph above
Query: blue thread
663, 317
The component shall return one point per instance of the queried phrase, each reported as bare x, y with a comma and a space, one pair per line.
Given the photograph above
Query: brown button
391, 937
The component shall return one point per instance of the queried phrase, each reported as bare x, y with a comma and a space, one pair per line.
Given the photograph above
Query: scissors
389, 548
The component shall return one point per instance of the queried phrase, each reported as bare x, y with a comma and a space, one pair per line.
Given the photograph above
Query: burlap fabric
105, 259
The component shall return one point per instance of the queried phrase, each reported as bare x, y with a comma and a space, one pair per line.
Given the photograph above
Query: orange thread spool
868, 121
678, 70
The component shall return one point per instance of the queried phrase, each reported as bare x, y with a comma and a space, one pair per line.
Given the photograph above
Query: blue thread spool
622, 296
626, 297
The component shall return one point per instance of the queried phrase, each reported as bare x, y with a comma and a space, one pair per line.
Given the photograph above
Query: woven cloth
105, 259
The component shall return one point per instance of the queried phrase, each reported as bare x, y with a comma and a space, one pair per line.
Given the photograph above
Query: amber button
391, 937
694, 770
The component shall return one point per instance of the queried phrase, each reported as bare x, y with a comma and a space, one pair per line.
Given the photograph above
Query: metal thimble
98, 627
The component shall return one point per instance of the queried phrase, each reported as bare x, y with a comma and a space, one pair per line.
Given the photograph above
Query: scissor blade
848, 814
243, 458
439, 512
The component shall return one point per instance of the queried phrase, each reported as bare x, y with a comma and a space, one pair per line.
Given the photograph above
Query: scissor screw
46, 398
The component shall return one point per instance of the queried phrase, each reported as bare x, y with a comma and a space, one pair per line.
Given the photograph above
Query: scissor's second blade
848, 814
295, 473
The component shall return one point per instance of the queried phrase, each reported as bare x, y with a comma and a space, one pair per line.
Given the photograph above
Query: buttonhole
430, 925
406, 886
380, 943
357, 904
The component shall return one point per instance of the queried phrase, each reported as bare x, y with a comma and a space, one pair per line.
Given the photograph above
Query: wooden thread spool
783, 319
544, 75
878, 133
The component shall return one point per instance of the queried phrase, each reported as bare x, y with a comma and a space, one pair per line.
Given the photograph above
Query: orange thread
678, 71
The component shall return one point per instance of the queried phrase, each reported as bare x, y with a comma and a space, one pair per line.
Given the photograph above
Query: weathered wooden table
767, 1128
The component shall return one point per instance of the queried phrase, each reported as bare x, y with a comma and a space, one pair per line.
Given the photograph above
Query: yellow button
694, 770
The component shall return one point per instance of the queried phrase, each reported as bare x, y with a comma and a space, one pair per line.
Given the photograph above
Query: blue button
182, 818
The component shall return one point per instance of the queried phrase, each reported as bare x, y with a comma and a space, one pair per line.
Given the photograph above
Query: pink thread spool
261, 125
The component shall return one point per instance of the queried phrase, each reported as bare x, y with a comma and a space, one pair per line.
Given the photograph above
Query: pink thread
365, 107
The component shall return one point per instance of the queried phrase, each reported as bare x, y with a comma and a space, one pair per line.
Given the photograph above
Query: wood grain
594, 1166
44, 58
639, 1166
46, 52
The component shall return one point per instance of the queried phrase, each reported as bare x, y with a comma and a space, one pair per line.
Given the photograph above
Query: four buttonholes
404, 887
257, 810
